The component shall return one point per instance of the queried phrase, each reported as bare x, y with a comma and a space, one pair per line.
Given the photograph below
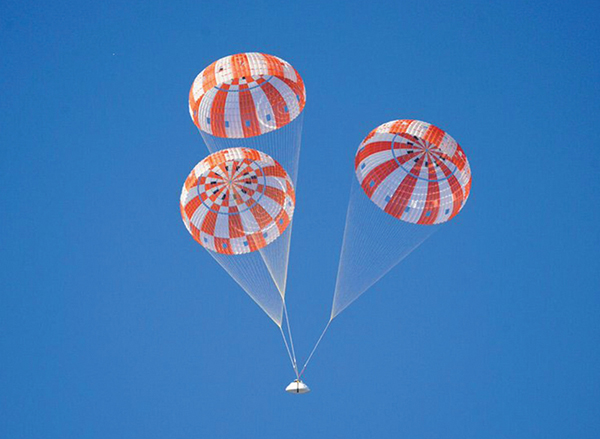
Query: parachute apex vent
297, 386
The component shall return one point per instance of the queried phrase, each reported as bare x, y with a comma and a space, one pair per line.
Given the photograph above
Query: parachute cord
287, 321
315, 348
287, 348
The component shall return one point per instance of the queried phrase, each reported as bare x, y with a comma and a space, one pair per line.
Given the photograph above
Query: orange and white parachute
413, 171
411, 177
237, 201
246, 95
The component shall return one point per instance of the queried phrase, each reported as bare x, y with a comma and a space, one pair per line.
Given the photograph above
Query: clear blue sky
114, 323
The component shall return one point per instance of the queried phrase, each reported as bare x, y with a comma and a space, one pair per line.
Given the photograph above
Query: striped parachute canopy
246, 95
413, 171
237, 201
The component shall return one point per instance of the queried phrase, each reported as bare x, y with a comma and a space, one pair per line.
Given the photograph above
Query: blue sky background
114, 323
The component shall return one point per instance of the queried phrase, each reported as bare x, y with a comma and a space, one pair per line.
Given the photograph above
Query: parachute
411, 177
253, 100
234, 203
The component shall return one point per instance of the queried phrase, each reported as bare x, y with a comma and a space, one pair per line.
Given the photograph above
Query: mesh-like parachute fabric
250, 272
282, 144
374, 242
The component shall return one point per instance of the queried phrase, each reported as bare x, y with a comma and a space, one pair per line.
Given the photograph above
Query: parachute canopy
413, 171
236, 201
246, 95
